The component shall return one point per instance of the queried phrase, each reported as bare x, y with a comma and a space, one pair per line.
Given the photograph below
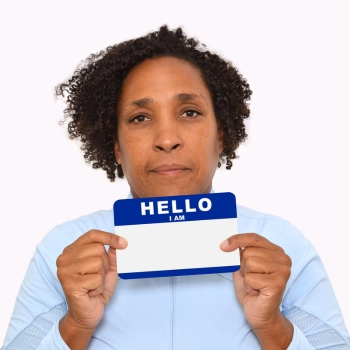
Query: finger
90, 265
91, 282
241, 287
247, 240
79, 285
97, 236
274, 255
263, 257
267, 284
258, 265
112, 255
83, 251
248, 289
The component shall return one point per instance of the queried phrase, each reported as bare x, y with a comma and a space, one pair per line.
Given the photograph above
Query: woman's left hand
260, 284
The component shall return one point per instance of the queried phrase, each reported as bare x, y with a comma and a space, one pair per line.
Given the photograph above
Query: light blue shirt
186, 312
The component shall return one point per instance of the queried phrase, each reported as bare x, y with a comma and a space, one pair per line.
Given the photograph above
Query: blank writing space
180, 245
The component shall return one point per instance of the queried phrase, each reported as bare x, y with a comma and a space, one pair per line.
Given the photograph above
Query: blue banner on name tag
176, 235
174, 208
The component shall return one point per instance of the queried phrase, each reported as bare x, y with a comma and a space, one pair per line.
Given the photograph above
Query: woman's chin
170, 190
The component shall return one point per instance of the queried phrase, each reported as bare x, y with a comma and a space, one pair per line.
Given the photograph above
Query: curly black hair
92, 93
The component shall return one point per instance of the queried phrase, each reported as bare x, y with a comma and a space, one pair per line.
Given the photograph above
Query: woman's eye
190, 113
138, 119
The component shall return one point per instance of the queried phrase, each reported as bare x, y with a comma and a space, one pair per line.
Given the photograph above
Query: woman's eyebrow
140, 103
188, 97
180, 97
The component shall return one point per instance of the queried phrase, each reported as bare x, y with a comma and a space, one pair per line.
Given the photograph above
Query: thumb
122, 243
112, 255
238, 283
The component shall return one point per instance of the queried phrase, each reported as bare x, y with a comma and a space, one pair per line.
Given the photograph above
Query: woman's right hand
88, 275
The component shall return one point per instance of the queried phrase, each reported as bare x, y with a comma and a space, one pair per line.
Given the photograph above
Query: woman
164, 112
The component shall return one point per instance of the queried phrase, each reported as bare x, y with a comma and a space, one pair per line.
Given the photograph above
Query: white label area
176, 245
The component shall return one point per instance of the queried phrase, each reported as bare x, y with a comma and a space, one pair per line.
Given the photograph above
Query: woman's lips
169, 169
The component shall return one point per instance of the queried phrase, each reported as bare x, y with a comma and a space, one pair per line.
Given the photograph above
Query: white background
296, 58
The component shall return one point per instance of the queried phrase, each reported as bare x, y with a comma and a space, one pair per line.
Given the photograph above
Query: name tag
176, 235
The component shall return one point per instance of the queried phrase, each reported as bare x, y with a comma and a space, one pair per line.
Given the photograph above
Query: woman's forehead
163, 77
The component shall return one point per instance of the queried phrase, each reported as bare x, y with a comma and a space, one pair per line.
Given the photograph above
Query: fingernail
122, 242
224, 243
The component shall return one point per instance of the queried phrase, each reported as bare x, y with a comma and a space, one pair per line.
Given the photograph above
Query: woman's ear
221, 139
116, 149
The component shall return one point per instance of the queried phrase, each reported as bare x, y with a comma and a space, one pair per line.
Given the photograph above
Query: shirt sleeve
39, 306
299, 341
53, 340
311, 305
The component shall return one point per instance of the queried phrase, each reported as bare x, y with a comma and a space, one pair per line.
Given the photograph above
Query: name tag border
179, 272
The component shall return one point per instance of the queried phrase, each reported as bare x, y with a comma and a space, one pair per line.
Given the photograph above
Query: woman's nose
168, 135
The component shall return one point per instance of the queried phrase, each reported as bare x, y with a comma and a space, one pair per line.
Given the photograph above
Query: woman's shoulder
274, 228
67, 232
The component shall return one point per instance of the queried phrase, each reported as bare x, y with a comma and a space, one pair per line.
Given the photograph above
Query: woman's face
168, 139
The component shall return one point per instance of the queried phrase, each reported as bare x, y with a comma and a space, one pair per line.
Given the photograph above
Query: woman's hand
88, 275
259, 287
